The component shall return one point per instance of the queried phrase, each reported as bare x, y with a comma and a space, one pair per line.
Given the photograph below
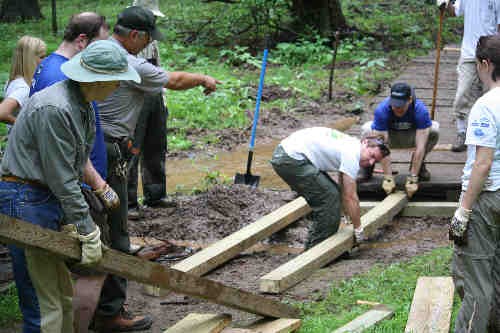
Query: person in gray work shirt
134, 30
43, 165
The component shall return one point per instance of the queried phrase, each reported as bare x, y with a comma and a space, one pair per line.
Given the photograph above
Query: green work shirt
51, 143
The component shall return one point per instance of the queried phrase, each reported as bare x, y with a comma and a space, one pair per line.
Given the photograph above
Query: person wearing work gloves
40, 174
475, 226
303, 159
481, 18
135, 28
404, 122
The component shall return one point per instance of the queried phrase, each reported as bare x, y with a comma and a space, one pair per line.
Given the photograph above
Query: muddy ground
203, 218
223, 210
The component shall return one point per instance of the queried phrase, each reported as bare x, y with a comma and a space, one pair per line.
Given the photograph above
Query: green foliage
366, 77
304, 51
393, 286
238, 56
9, 309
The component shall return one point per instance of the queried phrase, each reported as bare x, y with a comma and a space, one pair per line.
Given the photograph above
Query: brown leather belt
15, 179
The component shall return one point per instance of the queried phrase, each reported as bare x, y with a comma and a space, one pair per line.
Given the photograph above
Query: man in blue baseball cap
40, 175
404, 122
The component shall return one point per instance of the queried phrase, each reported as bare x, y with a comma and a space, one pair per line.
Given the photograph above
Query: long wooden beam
303, 265
418, 209
28, 235
431, 306
366, 320
218, 253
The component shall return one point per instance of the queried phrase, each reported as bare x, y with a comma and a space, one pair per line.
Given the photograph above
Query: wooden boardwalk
445, 166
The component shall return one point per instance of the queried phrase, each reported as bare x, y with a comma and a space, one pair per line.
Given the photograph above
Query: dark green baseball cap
139, 18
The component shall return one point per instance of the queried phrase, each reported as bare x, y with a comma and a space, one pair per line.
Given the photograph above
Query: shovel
248, 178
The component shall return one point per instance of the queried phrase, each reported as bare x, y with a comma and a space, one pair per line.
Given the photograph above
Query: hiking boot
124, 321
459, 144
135, 213
166, 202
365, 173
424, 174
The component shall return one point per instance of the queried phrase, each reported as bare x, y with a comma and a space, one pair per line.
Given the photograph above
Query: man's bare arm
421, 138
479, 173
91, 177
350, 199
184, 81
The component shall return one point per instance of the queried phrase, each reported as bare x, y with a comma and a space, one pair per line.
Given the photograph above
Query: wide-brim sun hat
102, 60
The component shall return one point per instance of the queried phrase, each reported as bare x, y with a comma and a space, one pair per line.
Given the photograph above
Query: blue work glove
458, 226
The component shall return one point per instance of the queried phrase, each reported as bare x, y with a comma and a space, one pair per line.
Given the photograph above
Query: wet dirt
223, 210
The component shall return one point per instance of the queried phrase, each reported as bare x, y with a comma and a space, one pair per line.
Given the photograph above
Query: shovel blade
247, 179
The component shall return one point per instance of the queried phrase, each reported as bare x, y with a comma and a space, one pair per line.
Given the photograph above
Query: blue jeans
38, 206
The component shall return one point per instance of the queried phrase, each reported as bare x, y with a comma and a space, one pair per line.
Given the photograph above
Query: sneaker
124, 321
365, 173
166, 202
135, 213
459, 144
424, 174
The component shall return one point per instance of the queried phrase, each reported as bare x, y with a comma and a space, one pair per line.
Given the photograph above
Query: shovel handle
438, 59
259, 97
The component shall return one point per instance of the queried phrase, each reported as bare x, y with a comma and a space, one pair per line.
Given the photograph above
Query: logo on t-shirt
478, 132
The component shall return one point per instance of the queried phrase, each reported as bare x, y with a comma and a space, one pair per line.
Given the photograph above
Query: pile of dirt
212, 215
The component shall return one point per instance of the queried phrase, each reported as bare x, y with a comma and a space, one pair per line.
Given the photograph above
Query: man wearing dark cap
134, 30
404, 121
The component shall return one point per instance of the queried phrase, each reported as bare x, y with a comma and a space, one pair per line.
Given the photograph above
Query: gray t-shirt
120, 111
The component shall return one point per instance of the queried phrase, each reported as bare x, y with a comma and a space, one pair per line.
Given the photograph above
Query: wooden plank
432, 305
201, 323
28, 235
283, 325
303, 265
218, 253
418, 209
366, 320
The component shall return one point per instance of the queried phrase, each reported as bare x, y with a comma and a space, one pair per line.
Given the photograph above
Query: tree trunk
13, 10
323, 15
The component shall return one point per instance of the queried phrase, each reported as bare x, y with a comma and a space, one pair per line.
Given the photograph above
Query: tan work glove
411, 185
389, 185
442, 3
91, 243
108, 197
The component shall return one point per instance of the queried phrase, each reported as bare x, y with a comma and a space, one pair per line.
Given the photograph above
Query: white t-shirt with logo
17, 89
484, 130
326, 148
481, 18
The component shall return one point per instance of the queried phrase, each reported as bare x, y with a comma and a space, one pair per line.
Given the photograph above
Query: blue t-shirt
417, 117
48, 73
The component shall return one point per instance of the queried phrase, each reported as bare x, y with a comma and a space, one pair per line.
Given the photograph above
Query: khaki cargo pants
320, 191
469, 88
406, 138
476, 268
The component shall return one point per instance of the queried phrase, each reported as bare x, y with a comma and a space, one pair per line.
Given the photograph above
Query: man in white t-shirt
302, 160
481, 18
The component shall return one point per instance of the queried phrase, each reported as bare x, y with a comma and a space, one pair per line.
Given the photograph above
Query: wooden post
26, 234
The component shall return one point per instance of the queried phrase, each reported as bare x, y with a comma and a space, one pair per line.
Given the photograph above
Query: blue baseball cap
400, 94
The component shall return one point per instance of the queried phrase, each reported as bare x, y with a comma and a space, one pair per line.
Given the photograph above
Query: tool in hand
248, 178
442, 11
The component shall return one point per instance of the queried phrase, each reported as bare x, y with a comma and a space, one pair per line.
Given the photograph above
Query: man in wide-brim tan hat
41, 170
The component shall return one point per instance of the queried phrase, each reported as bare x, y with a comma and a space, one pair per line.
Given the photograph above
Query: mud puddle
187, 173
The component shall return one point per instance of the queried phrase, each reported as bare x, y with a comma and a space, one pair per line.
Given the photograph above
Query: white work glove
91, 243
411, 185
358, 234
108, 197
444, 3
458, 226
388, 184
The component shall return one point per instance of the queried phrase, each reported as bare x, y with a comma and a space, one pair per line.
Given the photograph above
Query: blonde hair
24, 60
